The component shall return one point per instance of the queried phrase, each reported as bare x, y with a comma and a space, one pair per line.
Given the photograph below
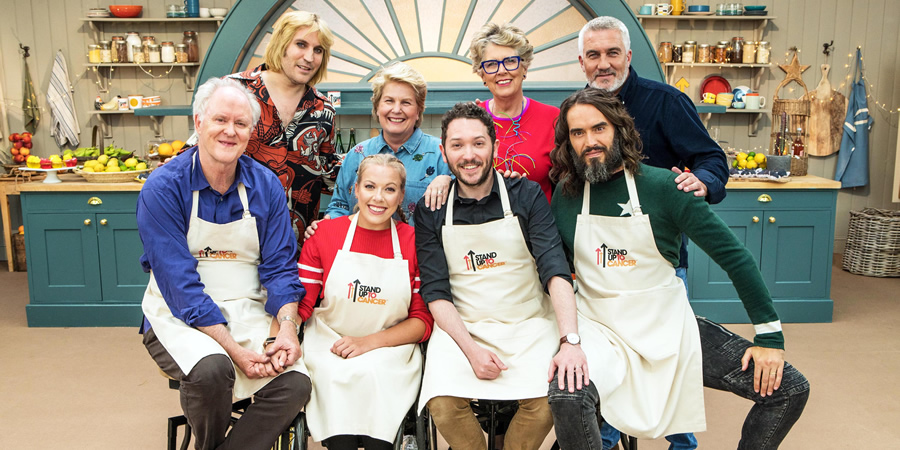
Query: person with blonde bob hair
295, 134
501, 55
360, 345
398, 102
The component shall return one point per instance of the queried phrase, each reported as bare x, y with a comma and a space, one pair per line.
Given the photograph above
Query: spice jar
181, 55
703, 54
192, 45
690, 50
664, 53
677, 52
737, 50
132, 40
154, 54
763, 52
118, 49
749, 52
146, 42
105, 52
721, 54
138, 54
168, 52
94, 54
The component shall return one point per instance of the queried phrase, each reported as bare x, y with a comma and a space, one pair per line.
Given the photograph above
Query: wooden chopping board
828, 108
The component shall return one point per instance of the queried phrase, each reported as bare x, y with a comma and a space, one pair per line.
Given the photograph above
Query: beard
487, 170
617, 83
593, 170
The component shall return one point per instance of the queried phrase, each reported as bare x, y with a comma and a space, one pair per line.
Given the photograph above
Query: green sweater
672, 212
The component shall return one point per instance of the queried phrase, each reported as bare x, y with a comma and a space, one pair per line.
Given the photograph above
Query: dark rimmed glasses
510, 63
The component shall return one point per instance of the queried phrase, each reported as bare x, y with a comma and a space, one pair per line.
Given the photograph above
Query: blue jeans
766, 425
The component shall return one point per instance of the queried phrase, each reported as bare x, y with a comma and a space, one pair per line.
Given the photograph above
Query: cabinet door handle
771, 219
764, 198
94, 201
87, 221
103, 222
755, 219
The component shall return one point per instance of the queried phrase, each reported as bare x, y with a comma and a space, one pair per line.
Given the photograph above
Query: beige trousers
457, 423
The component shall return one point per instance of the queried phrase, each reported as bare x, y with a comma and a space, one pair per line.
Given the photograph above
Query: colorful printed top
421, 156
320, 250
526, 142
301, 152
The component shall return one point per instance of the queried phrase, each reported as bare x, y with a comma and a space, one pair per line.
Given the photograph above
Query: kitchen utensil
826, 116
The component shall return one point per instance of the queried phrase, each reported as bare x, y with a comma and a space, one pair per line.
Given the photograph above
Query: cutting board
827, 110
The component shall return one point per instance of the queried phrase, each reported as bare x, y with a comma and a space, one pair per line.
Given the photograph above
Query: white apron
227, 262
498, 294
371, 393
638, 330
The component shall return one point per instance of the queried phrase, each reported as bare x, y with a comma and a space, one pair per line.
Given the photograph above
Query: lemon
131, 162
752, 164
103, 159
165, 149
759, 158
742, 163
741, 156
112, 162
113, 169
87, 169
177, 145
140, 166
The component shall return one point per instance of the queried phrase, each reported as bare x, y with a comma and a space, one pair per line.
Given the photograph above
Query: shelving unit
670, 69
103, 76
156, 120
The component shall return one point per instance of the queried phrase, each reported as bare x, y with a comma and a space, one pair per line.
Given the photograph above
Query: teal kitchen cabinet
83, 252
789, 229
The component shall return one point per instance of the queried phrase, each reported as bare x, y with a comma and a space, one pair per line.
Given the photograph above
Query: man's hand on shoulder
689, 182
485, 364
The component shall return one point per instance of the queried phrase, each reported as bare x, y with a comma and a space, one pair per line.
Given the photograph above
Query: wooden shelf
709, 17
113, 111
152, 19
719, 65
189, 64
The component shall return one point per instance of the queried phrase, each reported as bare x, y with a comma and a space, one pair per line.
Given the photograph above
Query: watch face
573, 339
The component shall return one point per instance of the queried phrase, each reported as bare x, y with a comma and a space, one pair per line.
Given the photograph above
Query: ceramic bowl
125, 10
738, 105
698, 8
218, 12
755, 7
739, 93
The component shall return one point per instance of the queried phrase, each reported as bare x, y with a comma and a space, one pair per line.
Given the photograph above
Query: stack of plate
755, 13
96, 13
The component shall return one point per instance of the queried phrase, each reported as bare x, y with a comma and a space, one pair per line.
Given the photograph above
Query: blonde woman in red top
360, 342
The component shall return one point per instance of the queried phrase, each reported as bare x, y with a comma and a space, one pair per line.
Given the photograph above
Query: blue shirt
421, 155
673, 134
163, 214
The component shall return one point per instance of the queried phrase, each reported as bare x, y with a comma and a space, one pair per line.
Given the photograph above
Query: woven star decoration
793, 70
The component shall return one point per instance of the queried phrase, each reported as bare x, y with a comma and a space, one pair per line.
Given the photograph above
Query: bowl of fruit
114, 165
20, 150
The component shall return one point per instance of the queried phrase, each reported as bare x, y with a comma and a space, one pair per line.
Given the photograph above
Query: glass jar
105, 52
118, 49
703, 54
132, 40
677, 52
94, 54
154, 56
138, 54
146, 42
721, 54
192, 45
664, 53
168, 52
737, 50
181, 55
690, 51
172, 11
763, 52
749, 52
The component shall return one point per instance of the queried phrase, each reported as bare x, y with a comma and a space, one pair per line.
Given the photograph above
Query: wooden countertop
804, 182
75, 183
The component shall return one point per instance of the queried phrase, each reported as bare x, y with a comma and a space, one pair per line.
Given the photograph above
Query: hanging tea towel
63, 125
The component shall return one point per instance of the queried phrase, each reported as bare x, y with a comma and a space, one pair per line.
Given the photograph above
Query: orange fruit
21, 229
165, 149
177, 145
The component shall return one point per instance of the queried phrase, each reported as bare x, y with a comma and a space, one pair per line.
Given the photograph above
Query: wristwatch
571, 338
291, 319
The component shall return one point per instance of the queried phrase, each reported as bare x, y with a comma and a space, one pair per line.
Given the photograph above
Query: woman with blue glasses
501, 55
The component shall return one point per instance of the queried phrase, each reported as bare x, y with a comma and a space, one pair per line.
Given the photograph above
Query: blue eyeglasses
510, 63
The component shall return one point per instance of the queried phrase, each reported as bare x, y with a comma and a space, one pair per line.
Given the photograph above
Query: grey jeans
206, 401
768, 422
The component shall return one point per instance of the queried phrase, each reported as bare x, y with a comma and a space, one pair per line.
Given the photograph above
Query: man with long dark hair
621, 223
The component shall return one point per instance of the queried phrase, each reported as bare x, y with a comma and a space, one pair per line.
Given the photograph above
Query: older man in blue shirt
221, 305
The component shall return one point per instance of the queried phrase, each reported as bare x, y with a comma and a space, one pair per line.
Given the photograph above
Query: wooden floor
96, 388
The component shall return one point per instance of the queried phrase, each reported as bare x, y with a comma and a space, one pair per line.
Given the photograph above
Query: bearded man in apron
633, 311
220, 251
487, 261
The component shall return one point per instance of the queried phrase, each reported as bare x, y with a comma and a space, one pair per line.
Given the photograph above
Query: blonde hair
384, 160
401, 73
283, 34
506, 35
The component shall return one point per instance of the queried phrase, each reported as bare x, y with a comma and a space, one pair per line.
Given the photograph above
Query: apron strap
349, 238
858, 73
242, 193
504, 196
632, 196
448, 218
395, 240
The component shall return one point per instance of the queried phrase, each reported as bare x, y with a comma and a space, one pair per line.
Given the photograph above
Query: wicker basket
110, 177
873, 243
799, 166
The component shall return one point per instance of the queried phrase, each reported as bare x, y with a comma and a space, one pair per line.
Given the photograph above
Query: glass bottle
192, 45
168, 52
797, 148
105, 52
352, 142
339, 143
132, 39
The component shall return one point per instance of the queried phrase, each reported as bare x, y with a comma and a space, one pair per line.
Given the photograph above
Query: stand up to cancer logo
481, 261
208, 253
613, 257
358, 292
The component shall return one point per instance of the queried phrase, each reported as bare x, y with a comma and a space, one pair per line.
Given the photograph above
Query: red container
125, 10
